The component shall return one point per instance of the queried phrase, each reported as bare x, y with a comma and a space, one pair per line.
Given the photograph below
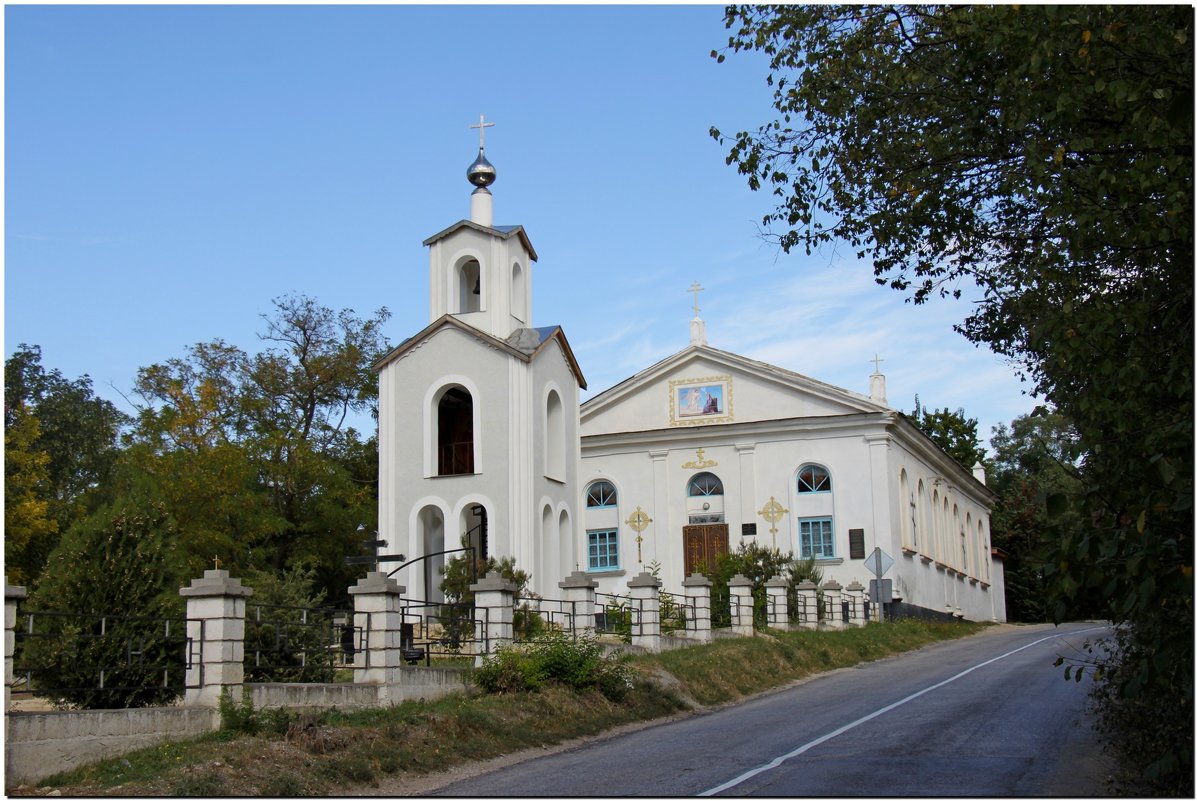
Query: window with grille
815, 538
602, 549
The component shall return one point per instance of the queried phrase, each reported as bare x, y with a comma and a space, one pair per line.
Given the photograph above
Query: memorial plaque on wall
748, 529
856, 543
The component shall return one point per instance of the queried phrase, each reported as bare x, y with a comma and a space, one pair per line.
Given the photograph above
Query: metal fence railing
435, 632
298, 644
101, 660
537, 618
615, 614
677, 613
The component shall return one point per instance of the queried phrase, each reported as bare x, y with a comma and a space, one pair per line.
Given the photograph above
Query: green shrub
116, 562
575, 663
509, 670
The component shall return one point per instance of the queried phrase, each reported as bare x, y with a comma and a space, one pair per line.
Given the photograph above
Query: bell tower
480, 272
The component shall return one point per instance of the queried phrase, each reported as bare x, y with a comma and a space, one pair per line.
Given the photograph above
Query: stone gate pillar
646, 615
835, 612
808, 603
494, 610
777, 597
12, 597
578, 590
740, 589
698, 605
378, 617
855, 595
216, 622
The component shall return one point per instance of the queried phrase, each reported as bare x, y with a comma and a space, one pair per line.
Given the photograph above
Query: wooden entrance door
702, 543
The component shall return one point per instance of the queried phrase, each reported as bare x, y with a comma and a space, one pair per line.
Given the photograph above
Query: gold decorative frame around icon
678, 417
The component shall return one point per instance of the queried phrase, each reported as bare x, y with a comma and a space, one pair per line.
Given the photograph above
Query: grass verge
330, 753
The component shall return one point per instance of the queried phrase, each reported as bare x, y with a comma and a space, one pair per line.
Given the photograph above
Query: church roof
524, 343
502, 231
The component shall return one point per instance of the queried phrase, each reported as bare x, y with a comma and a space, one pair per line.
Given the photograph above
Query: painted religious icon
700, 400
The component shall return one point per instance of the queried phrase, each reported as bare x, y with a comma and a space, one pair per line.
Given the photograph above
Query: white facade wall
635, 440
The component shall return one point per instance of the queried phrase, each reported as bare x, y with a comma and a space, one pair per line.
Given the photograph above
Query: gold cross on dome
695, 288
482, 126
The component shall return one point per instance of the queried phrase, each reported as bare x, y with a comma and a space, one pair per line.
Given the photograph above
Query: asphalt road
988, 715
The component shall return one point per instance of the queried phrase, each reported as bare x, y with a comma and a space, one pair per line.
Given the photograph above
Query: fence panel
99, 661
678, 613
437, 632
615, 614
538, 618
297, 644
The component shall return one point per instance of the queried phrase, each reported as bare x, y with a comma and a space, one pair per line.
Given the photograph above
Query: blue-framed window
602, 549
813, 478
815, 538
600, 494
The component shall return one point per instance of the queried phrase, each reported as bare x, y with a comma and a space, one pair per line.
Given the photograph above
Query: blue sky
169, 170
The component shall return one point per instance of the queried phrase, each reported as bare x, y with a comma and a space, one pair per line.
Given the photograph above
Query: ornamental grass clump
577, 663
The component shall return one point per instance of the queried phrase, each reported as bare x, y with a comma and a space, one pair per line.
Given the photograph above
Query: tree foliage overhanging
1044, 153
254, 455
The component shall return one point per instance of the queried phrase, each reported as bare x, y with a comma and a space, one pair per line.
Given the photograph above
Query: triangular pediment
702, 385
526, 344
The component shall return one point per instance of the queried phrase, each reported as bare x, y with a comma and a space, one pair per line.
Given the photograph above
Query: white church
482, 439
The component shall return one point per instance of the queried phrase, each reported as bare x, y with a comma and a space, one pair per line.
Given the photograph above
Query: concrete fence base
40, 744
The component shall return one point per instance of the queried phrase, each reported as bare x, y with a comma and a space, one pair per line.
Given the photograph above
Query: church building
482, 440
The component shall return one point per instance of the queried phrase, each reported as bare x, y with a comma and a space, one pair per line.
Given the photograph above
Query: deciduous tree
60, 445
257, 454
1044, 153
954, 432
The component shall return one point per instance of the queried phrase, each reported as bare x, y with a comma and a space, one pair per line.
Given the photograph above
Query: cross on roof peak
695, 288
482, 126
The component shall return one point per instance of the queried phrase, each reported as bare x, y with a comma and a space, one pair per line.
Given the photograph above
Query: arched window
983, 553
455, 433
921, 516
519, 293
602, 526
554, 437
813, 478
469, 287
906, 515
704, 485
600, 494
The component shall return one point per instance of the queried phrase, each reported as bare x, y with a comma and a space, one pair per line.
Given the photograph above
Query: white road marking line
849, 726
